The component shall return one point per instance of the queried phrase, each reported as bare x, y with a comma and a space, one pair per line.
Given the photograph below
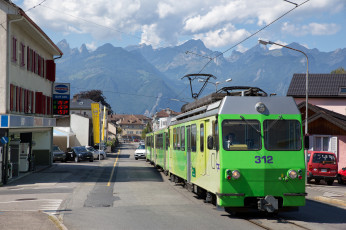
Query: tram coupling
269, 204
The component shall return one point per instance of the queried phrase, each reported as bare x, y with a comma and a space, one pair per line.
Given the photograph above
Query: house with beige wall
27, 74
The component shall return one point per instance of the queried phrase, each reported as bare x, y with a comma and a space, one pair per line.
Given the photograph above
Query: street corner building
27, 75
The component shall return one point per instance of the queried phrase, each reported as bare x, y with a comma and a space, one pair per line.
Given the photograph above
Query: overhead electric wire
35, 6
296, 6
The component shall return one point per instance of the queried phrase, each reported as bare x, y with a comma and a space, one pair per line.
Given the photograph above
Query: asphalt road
123, 193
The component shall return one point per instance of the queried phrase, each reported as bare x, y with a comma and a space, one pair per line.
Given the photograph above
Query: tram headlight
235, 174
292, 174
232, 174
260, 107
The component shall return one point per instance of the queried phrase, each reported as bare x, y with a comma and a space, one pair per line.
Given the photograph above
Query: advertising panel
61, 99
95, 110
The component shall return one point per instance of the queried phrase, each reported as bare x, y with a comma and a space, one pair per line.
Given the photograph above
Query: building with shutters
326, 111
27, 74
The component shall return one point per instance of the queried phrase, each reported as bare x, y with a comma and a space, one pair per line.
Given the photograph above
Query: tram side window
174, 138
167, 140
182, 132
178, 138
156, 142
216, 135
201, 136
282, 135
193, 138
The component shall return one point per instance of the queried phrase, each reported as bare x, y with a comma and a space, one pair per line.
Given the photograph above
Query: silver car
98, 154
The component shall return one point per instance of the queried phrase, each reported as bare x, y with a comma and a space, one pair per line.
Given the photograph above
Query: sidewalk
21, 220
29, 220
334, 195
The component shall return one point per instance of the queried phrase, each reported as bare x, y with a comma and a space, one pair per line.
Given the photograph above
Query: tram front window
282, 135
241, 135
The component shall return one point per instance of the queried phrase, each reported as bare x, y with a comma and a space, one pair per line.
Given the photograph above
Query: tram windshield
241, 135
282, 135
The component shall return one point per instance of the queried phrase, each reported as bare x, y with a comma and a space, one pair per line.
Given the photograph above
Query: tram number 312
264, 159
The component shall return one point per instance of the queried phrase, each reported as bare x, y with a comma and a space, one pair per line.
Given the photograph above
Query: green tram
238, 149
149, 145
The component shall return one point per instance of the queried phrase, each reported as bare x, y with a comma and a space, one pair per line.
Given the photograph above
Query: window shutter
38, 104
32, 60
17, 98
333, 145
28, 58
14, 49
11, 97
32, 102
25, 101
50, 70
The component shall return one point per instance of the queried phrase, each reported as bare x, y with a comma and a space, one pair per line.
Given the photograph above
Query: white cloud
218, 23
222, 37
164, 9
310, 29
91, 46
149, 35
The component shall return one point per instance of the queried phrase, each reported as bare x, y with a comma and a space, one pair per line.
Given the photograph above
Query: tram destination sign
61, 99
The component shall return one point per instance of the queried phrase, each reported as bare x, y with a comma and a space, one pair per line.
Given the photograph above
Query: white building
27, 74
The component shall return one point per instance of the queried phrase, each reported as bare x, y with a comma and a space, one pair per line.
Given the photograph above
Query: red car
342, 176
321, 166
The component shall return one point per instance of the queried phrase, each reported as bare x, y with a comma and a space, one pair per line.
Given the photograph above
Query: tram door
188, 153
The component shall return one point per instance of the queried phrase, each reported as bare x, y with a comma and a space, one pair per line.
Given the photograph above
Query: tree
97, 96
146, 130
339, 70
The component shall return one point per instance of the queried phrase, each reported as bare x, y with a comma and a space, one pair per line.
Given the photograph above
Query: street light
306, 85
216, 83
307, 76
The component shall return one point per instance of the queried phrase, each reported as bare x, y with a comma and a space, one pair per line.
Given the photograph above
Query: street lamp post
216, 83
306, 85
174, 99
306, 80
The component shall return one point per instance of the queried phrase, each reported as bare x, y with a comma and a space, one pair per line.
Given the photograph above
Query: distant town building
131, 125
162, 119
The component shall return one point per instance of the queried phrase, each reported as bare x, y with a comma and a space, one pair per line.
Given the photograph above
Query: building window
14, 49
324, 143
321, 143
22, 54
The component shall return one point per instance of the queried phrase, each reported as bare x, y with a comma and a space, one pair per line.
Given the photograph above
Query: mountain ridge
142, 79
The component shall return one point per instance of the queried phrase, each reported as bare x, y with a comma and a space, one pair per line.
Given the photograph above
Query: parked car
97, 152
79, 153
58, 154
140, 152
321, 166
342, 176
93, 151
102, 153
102, 147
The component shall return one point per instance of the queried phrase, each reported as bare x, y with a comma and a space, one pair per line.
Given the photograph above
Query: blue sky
220, 24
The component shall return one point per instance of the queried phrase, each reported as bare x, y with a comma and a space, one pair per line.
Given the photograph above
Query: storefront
29, 144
